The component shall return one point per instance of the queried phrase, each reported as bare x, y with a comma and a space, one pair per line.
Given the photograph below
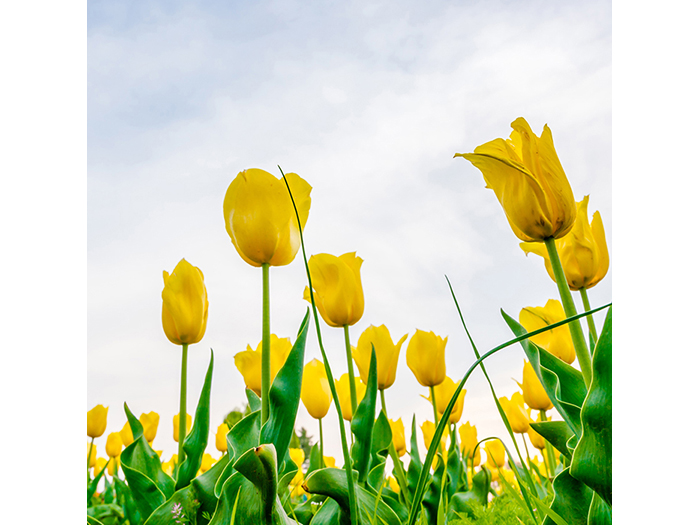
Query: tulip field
554, 468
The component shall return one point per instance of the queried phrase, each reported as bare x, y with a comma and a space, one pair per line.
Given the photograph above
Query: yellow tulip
386, 351
260, 217
97, 421
583, 251
93, 454
533, 391
169, 466
150, 425
428, 429
176, 426
207, 462
477, 457
221, 432
315, 389
394, 485
113, 466
329, 461
425, 356
185, 304
515, 412
297, 456
495, 453
398, 436
113, 447
536, 439
525, 174
249, 362
443, 394
126, 435
556, 341
99, 465
342, 386
337, 288
467, 437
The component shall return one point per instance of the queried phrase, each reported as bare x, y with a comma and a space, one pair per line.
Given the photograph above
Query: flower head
386, 351
113, 447
176, 426
425, 356
185, 304
495, 453
443, 393
342, 386
556, 341
315, 389
398, 436
221, 433
533, 392
97, 421
249, 362
150, 425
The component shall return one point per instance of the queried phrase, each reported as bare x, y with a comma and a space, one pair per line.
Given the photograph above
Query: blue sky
368, 101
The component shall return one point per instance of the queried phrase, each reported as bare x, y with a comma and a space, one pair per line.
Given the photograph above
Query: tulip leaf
333, 482
93, 521
284, 395
242, 437
329, 514
315, 461
557, 433
454, 465
254, 402
599, 513
127, 501
572, 499
393, 500
363, 422
259, 466
415, 465
92, 487
381, 441
184, 499
592, 459
196, 440
561, 382
104, 514
431, 500
150, 486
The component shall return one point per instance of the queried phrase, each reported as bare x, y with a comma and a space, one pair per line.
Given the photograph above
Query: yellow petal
495, 453
337, 288
150, 425
97, 421
557, 341
425, 357
176, 426
113, 447
185, 304
221, 432
386, 351
533, 392
398, 436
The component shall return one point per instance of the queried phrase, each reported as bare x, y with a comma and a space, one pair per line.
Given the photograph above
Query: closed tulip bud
249, 362
536, 439
425, 356
99, 465
386, 351
97, 421
185, 304
150, 425
113, 466
556, 341
533, 392
113, 447
176, 426
221, 444
515, 412
583, 251
342, 386
207, 462
297, 456
93, 455
337, 288
495, 453
260, 218
467, 437
443, 393
315, 389
428, 429
126, 435
398, 436
525, 174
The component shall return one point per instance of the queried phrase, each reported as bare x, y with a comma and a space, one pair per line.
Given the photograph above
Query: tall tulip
443, 393
556, 341
386, 351
316, 394
97, 421
126, 435
338, 296
185, 313
262, 224
467, 438
249, 362
425, 357
533, 392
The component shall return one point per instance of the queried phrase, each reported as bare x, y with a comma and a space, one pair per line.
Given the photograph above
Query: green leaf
306, 510
93, 521
236, 488
242, 437
431, 500
127, 500
557, 433
254, 402
363, 422
315, 461
150, 486
186, 498
105, 514
592, 459
329, 514
381, 441
394, 501
454, 465
259, 466
599, 513
92, 487
284, 395
572, 500
196, 440
415, 465
333, 482
563, 383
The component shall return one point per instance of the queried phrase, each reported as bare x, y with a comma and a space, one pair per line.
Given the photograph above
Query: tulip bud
185, 304
113, 447
425, 356
297, 456
386, 351
428, 429
249, 362
533, 392
97, 421
99, 465
467, 438
315, 389
536, 439
207, 462
556, 341
221, 432
176, 426
329, 461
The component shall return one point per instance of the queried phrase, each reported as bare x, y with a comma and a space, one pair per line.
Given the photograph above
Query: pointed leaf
259, 466
572, 500
557, 433
242, 437
599, 513
254, 402
363, 422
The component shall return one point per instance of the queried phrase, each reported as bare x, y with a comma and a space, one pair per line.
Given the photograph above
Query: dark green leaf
557, 433
259, 466
254, 402
363, 422
415, 465
599, 513
127, 501
572, 500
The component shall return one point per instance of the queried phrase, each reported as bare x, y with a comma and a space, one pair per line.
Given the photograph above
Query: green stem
265, 368
582, 353
589, 319
435, 410
398, 465
351, 369
320, 441
182, 428
548, 449
527, 451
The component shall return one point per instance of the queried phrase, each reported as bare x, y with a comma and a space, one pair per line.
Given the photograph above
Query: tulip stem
265, 368
548, 449
182, 428
582, 352
433, 401
589, 319
398, 465
320, 441
351, 369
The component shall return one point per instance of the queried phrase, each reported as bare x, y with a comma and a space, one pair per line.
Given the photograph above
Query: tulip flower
297, 456
495, 453
467, 437
583, 251
150, 425
113, 467
515, 412
207, 462
169, 466
398, 436
394, 485
126, 435
342, 386
176, 427
260, 218
99, 465
443, 393
536, 439
425, 356
386, 351
97, 421
249, 362
428, 429
329, 461
556, 341
533, 392
315, 390
221, 432
525, 174
113, 447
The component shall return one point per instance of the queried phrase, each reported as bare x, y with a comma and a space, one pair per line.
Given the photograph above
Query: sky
368, 102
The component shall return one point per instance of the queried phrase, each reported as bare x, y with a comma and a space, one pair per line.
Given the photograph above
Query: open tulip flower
249, 362
386, 351
260, 218
342, 386
525, 174
443, 393
556, 341
425, 357
315, 390
533, 392
583, 251
150, 425
97, 421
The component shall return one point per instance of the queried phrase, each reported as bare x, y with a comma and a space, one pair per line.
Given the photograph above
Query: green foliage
503, 510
